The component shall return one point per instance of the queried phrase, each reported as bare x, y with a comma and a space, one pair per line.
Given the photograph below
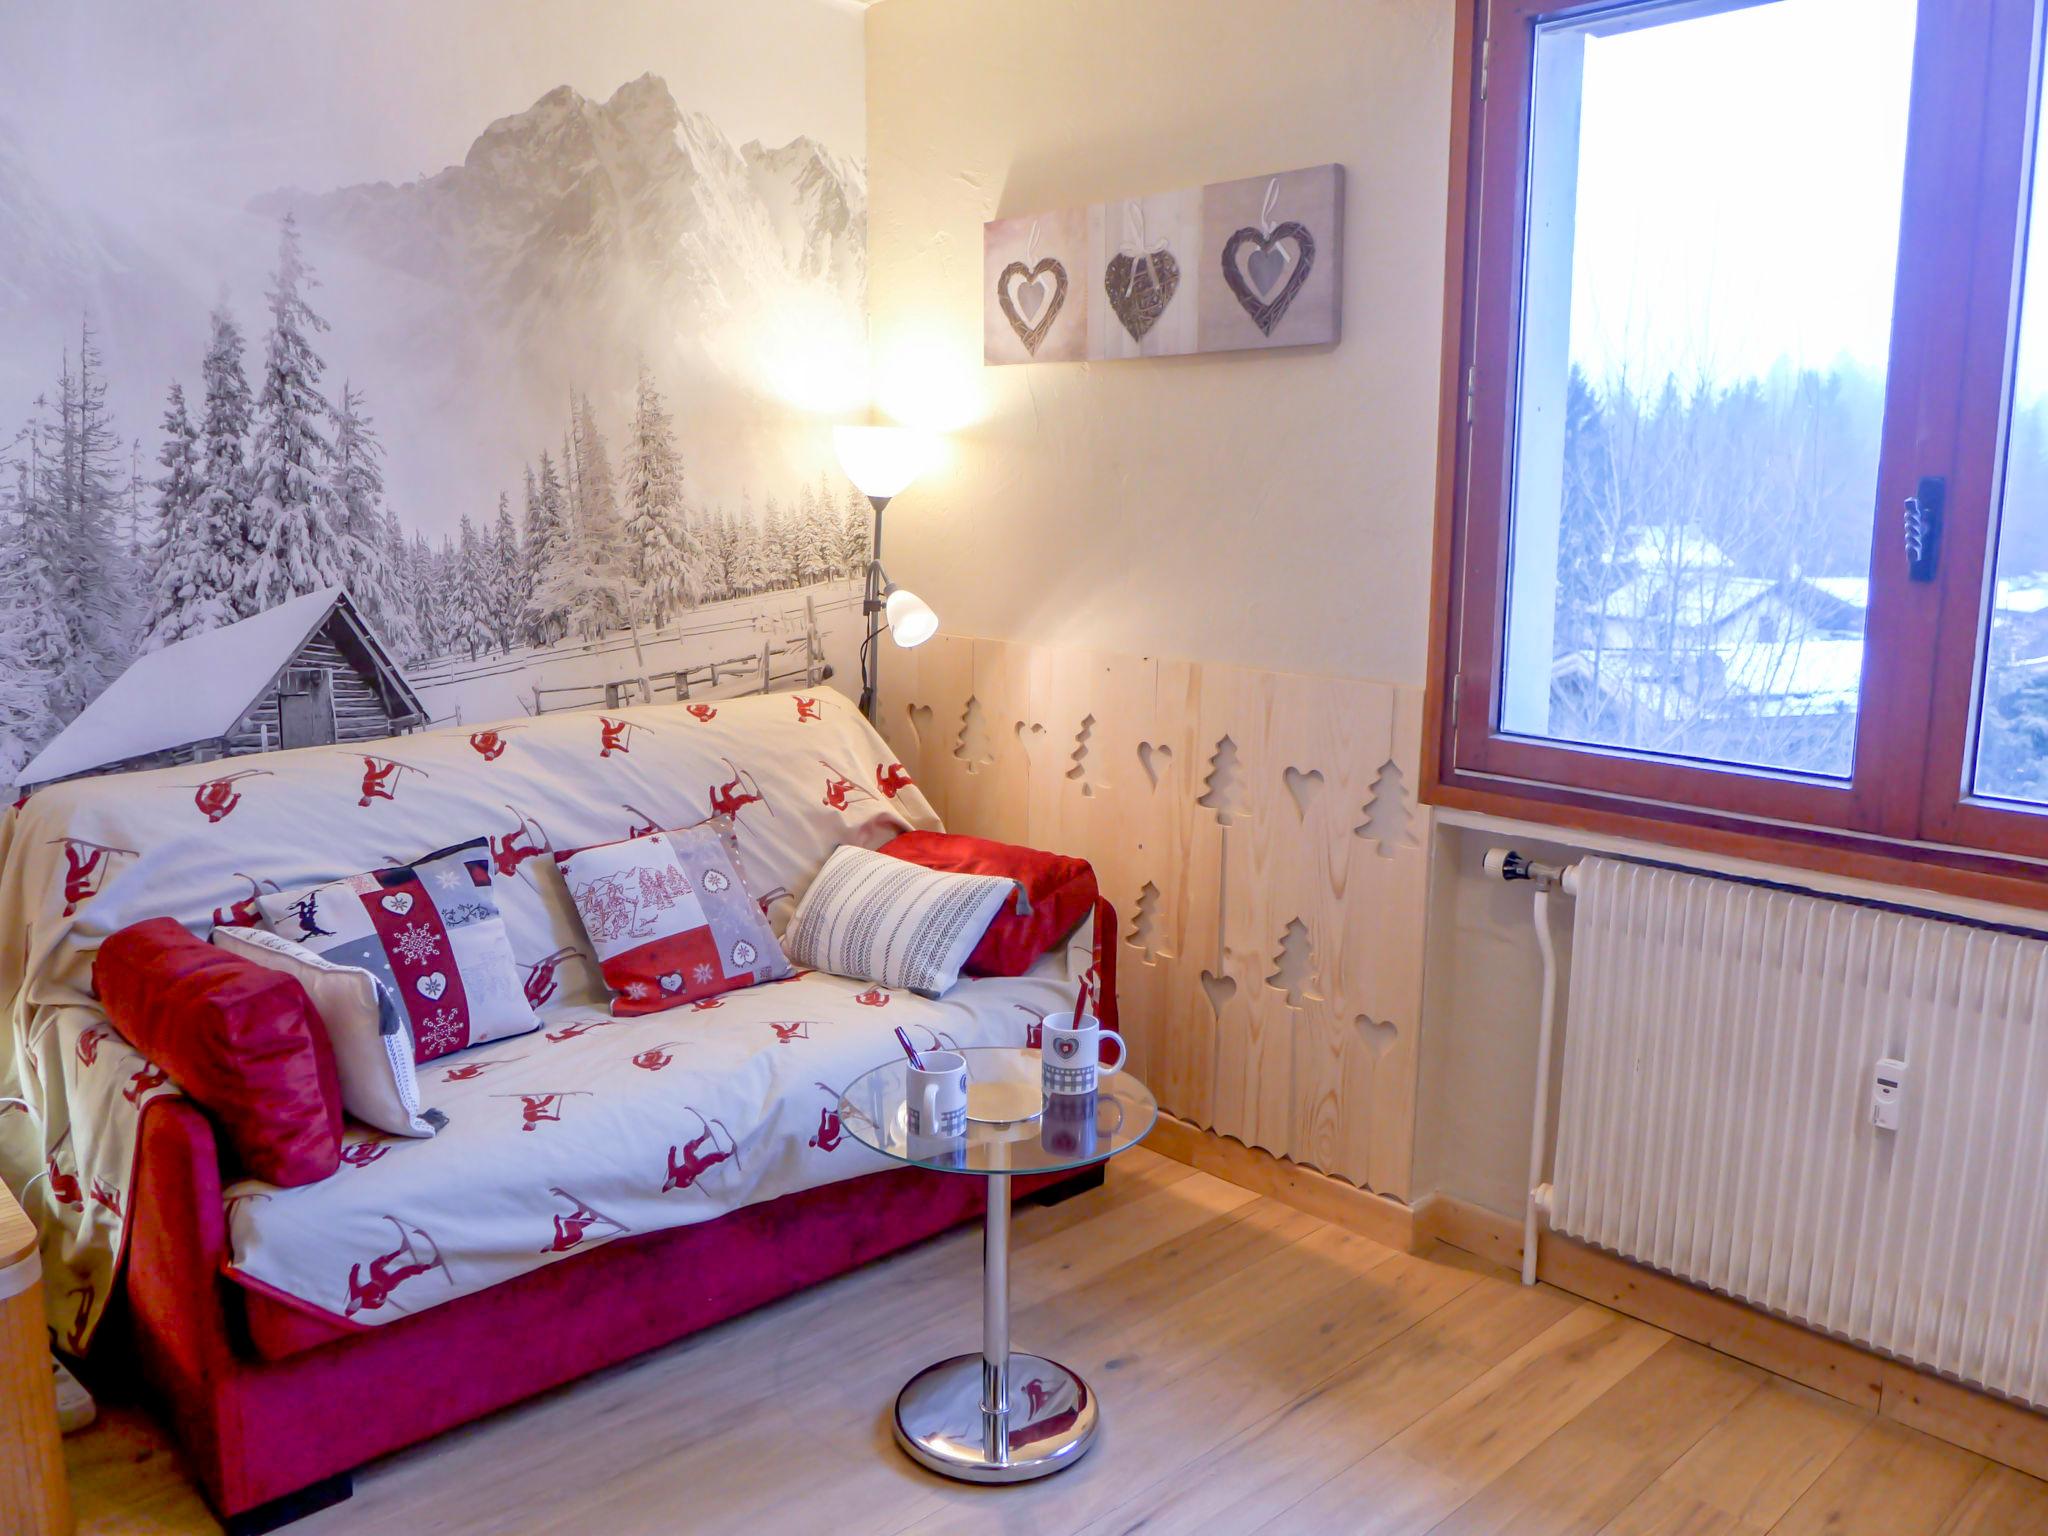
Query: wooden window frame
1902, 817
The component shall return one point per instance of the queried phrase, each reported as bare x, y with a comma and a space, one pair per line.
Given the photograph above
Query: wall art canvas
1275, 244
523, 331
1221, 268
1035, 270
1145, 275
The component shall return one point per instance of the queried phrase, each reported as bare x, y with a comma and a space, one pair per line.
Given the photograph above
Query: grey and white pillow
886, 920
372, 1050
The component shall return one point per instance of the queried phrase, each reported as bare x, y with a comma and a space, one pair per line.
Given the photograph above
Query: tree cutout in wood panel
976, 746
1224, 790
1389, 815
1219, 990
1146, 935
1379, 1035
1294, 967
1079, 757
1155, 758
1302, 784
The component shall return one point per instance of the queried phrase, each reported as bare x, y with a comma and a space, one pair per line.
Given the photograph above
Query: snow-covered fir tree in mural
522, 409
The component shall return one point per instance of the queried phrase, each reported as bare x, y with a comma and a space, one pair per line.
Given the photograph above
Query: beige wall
1264, 509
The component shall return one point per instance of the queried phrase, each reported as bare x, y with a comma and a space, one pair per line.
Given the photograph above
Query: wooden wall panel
1259, 835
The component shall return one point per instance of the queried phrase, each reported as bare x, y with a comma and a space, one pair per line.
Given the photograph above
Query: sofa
293, 1334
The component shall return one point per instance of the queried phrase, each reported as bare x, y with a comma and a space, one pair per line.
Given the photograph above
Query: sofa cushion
240, 1040
430, 931
670, 918
1060, 889
894, 922
372, 1051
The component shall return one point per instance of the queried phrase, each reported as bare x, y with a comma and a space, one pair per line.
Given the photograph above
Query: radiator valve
1887, 1085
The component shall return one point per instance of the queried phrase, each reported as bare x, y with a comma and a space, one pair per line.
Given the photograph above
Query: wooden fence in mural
1259, 834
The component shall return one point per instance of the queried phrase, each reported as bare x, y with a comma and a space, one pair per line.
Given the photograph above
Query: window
1745, 309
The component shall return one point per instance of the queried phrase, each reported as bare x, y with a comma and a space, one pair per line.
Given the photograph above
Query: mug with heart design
936, 1095
1071, 1050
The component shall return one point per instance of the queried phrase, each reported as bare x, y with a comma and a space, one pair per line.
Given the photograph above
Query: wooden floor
1259, 1370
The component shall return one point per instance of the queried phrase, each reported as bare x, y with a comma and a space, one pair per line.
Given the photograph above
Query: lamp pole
871, 613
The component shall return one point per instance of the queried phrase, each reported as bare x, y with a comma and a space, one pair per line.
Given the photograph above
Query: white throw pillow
886, 920
372, 1048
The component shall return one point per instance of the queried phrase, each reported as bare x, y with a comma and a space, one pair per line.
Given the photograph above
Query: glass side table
999, 1417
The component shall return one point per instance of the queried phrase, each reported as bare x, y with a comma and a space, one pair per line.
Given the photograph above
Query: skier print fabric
652, 1122
81, 859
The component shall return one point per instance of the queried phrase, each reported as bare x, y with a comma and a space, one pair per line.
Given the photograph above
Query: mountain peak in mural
576, 212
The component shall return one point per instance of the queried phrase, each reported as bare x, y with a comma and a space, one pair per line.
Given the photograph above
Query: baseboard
1993, 1427
1334, 1200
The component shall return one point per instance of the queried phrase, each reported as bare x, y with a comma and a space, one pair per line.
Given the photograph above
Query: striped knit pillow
886, 920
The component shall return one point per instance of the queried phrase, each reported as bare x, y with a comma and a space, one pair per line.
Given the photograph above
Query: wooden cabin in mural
307, 673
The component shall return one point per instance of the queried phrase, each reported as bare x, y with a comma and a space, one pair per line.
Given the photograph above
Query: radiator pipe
1539, 1125
1549, 880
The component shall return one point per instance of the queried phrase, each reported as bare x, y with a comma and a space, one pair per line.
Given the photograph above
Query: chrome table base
1049, 1422
996, 1417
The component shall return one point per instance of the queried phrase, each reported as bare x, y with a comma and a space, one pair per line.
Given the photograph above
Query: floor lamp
881, 461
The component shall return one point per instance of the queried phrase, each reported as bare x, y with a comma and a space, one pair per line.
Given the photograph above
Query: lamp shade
881, 460
911, 620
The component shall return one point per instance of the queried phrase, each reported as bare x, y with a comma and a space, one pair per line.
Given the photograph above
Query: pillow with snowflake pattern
431, 932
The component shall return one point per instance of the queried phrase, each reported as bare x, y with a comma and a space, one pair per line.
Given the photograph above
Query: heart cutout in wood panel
1155, 758
1302, 784
1379, 1034
1219, 990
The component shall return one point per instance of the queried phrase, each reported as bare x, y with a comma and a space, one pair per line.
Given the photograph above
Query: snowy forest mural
525, 408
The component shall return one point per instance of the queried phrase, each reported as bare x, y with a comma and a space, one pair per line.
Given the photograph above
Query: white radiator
1719, 1053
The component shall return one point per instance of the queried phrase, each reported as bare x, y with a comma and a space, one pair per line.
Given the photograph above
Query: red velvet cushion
1061, 891
243, 1041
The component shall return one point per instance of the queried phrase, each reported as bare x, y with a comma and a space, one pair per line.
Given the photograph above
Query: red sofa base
257, 1430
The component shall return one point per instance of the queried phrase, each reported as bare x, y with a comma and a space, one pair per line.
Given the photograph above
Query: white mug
1072, 1053
937, 1095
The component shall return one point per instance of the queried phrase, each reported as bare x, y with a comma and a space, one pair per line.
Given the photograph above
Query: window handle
1923, 528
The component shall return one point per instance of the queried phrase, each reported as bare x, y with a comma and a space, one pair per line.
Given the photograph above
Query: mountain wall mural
554, 414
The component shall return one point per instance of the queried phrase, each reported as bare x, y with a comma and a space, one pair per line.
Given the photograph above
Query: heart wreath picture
1255, 263
1266, 281
1140, 288
1031, 297
1141, 278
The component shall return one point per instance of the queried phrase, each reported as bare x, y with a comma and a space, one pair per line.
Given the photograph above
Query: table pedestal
996, 1417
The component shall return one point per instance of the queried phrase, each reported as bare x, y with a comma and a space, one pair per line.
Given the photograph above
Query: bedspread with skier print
200, 843
596, 1128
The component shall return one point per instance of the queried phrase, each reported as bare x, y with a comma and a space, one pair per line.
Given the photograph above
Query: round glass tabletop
1044, 1134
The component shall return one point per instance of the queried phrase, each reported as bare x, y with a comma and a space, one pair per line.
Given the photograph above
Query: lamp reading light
910, 618
881, 461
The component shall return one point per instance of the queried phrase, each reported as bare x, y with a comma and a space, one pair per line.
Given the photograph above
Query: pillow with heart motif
431, 932
671, 918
